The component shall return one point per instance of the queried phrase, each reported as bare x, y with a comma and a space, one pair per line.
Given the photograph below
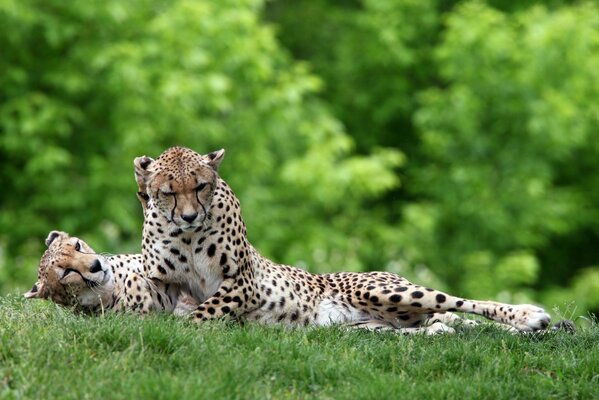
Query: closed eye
167, 193
201, 186
67, 272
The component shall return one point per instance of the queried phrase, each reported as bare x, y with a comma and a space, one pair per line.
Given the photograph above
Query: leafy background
453, 142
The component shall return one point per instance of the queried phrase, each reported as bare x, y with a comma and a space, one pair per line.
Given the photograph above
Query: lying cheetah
72, 274
194, 238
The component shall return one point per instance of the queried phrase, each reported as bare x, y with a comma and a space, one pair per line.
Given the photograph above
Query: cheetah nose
96, 267
189, 218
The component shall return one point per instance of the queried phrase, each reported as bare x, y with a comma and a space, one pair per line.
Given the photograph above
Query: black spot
211, 310
440, 298
211, 250
396, 298
161, 270
416, 304
175, 251
417, 294
169, 264
374, 299
459, 303
226, 310
223, 259
176, 233
400, 289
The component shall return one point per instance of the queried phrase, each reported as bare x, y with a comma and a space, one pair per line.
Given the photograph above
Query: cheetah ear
141, 173
34, 292
213, 159
53, 235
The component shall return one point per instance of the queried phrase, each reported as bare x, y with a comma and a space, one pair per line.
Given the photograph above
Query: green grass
48, 352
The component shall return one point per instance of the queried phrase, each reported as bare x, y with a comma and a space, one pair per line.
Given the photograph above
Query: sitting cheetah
72, 274
194, 238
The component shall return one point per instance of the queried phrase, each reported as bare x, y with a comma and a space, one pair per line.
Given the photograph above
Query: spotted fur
72, 274
194, 238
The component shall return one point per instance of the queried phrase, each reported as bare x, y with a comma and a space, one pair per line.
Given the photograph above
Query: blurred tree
492, 103
508, 144
87, 86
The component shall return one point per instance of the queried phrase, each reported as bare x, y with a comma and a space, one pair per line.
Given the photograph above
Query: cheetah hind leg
451, 319
458, 322
523, 317
434, 328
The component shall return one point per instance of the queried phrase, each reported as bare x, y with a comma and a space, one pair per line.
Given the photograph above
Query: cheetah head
180, 185
72, 274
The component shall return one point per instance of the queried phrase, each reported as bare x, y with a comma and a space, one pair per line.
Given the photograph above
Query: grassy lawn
47, 352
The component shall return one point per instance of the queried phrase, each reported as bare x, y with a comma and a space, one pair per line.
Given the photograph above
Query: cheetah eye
201, 187
67, 272
78, 246
167, 193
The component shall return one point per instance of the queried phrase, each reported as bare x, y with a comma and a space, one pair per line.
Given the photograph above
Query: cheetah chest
179, 262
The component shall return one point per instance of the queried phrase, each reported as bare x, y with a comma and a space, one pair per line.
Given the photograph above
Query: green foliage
48, 352
493, 104
89, 86
516, 113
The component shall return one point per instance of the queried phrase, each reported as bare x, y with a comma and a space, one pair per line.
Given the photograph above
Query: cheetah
72, 274
194, 238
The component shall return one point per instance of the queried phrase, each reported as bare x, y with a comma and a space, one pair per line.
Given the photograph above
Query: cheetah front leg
141, 295
229, 300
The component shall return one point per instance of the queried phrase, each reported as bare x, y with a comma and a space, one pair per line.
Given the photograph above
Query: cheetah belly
324, 312
332, 311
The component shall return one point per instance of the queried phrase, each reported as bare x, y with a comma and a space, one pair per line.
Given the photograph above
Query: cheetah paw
185, 305
439, 328
529, 318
